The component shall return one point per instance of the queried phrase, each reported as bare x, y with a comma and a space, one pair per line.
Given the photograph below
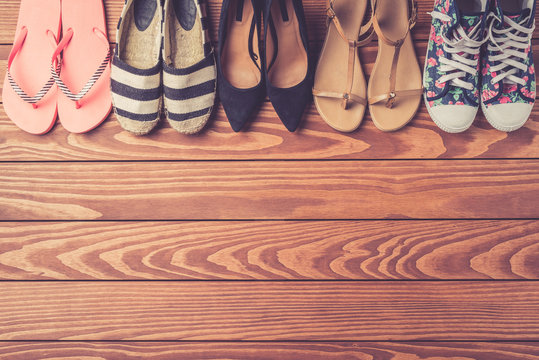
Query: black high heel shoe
288, 70
239, 64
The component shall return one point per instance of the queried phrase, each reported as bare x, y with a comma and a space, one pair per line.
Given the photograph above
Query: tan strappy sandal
395, 85
340, 88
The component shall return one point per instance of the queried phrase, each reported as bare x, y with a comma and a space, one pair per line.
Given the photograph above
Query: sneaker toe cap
453, 118
508, 117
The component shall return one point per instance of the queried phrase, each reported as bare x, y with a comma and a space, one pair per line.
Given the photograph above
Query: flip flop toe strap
93, 79
344, 96
34, 100
391, 97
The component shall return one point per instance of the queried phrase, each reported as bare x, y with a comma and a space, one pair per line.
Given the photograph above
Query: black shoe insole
186, 13
239, 10
470, 6
512, 6
284, 10
144, 11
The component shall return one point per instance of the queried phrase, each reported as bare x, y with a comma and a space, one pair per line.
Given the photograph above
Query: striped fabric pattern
189, 93
87, 87
201, 9
136, 93
23, 95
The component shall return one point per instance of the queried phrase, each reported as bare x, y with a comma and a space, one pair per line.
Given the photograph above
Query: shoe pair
40, 63
460, 72
393, 94
163, 57
246, 72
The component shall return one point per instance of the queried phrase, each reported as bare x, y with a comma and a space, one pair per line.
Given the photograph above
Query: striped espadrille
189, 72
136, 66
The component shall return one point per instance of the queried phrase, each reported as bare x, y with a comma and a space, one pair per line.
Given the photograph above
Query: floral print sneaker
508, 91
452, 69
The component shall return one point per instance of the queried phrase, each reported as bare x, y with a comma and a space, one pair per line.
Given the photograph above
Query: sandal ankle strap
365, 33
412, 20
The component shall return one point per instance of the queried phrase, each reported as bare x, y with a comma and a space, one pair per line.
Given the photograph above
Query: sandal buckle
331, 13
391, 100
346, 99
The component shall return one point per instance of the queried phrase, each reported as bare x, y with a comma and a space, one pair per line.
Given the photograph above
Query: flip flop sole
81, 58
31, 68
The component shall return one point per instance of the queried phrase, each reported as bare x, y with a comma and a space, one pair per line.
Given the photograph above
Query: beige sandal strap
366, 32
397, 45
352, 53
343, 96
392, 96
412, 20
332, 17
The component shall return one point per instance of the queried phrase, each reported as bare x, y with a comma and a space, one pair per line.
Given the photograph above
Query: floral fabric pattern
444, 93
499, 93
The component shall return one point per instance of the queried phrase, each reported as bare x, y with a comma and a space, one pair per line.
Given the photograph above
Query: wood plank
292, 311
481, 189
267, 138
269, 351
314, 12
322, 250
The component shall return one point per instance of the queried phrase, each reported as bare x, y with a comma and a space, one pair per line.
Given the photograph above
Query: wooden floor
417, 245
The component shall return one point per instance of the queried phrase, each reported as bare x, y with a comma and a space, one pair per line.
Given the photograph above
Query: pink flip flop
29, 94
84, 99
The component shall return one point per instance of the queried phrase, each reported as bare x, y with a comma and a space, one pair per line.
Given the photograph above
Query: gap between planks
269, 350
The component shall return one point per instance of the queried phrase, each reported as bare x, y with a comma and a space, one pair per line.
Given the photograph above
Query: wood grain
270, 190
270, 351
314, 12
328, 254
321, 250
229, 311
266, 138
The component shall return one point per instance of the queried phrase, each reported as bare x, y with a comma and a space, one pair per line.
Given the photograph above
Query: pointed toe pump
239, 66
288, 70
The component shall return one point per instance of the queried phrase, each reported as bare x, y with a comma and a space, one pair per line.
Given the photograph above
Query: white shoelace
463, 48
511, 44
